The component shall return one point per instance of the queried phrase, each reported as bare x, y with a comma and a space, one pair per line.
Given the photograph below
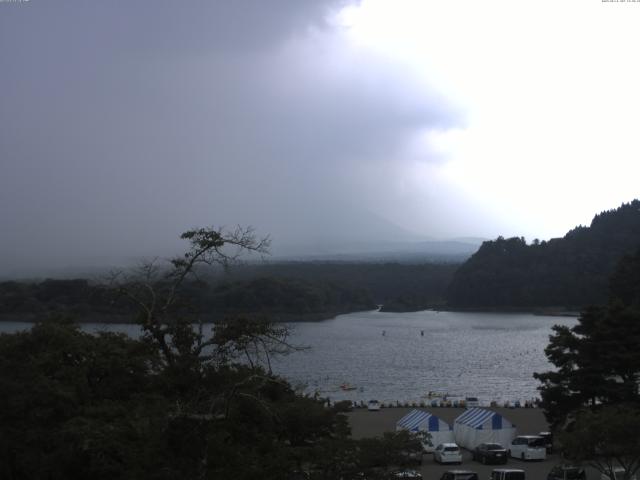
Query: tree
606, 438
75, 405
597, 362
625, 282
177, 403
155, 290
592, 399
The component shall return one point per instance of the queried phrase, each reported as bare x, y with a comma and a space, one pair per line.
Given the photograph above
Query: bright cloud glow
551, 91
465, 118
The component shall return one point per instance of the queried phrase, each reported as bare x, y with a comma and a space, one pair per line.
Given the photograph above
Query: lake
402, 356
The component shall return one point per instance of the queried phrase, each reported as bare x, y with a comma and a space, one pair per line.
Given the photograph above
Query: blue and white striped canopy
418, 420
480, 419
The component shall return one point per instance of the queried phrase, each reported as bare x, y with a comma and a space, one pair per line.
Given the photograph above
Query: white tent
420, 421
477, 425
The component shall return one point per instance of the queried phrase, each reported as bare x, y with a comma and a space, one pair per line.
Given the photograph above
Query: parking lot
535, 470
528, 421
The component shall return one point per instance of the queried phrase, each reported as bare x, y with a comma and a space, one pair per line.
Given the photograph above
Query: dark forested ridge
270, 296
284, 296
408, 286
569, 272
288, 291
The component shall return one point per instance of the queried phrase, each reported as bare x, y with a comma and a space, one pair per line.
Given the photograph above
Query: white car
528, 447
618, 473
427, 446
408, 474
373, 405
507, 474
447, 453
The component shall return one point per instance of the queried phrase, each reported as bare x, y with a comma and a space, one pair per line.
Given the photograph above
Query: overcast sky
123, 123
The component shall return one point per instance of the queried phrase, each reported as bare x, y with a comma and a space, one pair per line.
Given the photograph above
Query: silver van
528, 447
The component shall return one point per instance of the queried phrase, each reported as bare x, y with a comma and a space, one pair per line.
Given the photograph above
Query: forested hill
293, 299
292, 291
570, 272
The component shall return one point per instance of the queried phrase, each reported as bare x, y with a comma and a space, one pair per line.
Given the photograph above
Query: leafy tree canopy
592, 399
179, 402
606, 439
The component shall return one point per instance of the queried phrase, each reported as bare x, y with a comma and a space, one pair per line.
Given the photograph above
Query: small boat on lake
433, 394
347, 387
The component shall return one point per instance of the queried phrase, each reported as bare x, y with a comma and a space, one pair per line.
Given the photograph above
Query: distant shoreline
282, 317
543, 311
205, 318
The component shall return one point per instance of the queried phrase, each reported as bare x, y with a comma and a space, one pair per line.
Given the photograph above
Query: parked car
490, 453
447, 453
548, 441
427, 446
567, 472
298, 475
373, 405
412, 457
528, 447
459, 475
618, 473
407, 474
507, 474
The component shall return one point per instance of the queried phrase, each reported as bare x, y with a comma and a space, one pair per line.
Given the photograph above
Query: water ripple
402, 356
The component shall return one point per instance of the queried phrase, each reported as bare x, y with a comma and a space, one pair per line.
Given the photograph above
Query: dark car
567, 472
490, 453
548, 440
459, 475
412, 457
298, 475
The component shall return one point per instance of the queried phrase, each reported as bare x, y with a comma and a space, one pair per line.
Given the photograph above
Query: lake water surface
402, 356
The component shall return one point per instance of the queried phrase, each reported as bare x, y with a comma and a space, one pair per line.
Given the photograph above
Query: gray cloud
124, 123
